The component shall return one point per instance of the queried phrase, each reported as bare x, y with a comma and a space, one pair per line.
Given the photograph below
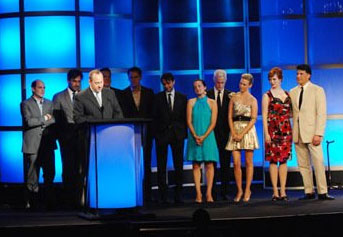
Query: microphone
328, 142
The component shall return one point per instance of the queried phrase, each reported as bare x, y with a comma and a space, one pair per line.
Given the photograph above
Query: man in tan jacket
309, 118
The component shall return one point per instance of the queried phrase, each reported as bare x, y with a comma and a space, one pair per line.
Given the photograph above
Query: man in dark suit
39, 144
222, 130
67, 134
93, 103
170, 128
137, 103
106, 72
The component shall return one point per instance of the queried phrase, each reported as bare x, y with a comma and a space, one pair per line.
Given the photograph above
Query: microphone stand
331, 186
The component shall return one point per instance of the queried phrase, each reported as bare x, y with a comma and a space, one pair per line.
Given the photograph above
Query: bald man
38, 144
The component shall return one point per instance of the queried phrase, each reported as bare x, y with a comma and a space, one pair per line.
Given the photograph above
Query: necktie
301, 97
98, 98
41, 107
169, 102
219, 102
73, 96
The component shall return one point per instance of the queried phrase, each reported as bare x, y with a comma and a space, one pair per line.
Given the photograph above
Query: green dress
201, 118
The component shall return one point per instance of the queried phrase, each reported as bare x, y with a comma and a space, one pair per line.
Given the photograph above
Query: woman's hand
267, 139
199, 140
238, 137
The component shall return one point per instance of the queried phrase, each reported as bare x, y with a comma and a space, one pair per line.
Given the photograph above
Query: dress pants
306, 152
177, 147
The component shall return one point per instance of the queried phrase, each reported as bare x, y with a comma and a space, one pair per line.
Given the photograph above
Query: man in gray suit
67, 135
95, 102
39, 142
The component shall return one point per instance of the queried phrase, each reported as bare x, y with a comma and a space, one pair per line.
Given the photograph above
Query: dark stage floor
259, 216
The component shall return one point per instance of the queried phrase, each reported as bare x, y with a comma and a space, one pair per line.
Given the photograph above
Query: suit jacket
165, 120
310, 120
63, 108
146, 104
222, 129
35, 125
86, 106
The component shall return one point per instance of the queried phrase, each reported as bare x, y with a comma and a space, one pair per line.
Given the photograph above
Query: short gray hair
219, 71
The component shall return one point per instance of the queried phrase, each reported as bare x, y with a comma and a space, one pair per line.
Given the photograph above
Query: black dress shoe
325, 196
308, 196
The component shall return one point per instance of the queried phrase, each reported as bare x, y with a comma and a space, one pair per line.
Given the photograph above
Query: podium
115, 166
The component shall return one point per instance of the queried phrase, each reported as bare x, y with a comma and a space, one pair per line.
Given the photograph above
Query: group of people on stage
218, 123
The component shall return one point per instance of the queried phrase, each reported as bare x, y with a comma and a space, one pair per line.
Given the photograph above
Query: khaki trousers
307, 153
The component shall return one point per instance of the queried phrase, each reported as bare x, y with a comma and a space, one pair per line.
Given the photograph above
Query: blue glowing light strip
160, 38
200, 45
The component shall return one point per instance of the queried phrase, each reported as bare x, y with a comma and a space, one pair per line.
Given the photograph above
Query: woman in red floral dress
276, 114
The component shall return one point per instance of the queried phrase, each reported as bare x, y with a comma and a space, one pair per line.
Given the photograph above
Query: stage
259, 216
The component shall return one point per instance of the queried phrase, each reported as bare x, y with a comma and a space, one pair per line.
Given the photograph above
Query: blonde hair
248, 77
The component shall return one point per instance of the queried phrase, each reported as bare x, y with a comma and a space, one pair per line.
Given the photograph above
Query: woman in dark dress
276, 114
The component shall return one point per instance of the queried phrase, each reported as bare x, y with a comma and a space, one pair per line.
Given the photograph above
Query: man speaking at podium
93, 103
96, 102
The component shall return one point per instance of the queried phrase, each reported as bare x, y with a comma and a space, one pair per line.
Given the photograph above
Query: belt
241, 118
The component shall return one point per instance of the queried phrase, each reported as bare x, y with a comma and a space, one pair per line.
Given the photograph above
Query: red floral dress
279, 128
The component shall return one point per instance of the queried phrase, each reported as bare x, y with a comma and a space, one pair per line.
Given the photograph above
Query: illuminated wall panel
179, 11
145, 11
279, 7
113, 7
50, 5
181, 54
86, 5
110, 34
50, 42
8, 6
283, 41
224, 47
325, 47
147, 40
222, 10
9, 43
10, 98
331, 81
11, 158
87, 42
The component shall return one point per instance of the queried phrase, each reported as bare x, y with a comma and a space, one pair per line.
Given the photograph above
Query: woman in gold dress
243, 136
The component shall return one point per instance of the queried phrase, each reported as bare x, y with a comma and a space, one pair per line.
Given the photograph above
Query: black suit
144, 111
170, 128
222, 132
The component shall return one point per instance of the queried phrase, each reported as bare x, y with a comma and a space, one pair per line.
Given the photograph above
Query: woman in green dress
202, 146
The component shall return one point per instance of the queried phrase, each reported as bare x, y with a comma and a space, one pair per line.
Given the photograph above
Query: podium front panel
115, 175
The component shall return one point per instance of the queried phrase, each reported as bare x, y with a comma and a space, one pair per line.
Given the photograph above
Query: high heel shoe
247, 199
275, 198
284, 198
237, 199
209, 199
198, 200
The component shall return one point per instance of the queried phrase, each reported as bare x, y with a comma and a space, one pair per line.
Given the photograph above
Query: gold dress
249, 140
